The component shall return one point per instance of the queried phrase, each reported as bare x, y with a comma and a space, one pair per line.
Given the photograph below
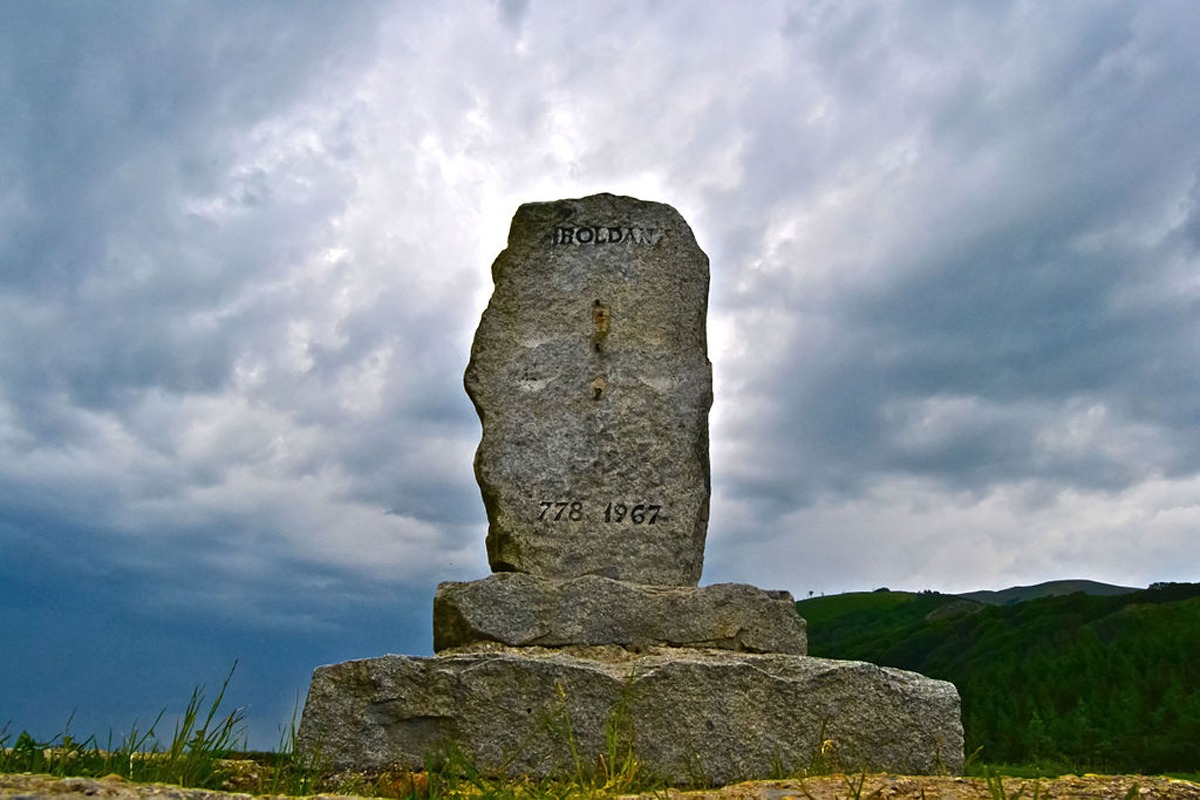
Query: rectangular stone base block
699, 717
520, 610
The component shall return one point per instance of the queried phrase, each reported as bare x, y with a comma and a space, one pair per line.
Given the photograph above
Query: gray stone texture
692, 716
525, 610
590, 374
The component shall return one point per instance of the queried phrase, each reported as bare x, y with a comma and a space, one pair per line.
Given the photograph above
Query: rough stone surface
591, 378
524, 610
693, 716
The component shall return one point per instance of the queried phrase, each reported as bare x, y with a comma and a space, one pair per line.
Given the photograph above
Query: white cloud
914, 534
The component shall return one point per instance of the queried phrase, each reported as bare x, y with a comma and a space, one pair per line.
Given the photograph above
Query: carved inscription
642, 512
614, 513
603, 234
556, 511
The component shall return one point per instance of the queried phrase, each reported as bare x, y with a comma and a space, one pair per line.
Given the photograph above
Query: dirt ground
894, 787
829, 787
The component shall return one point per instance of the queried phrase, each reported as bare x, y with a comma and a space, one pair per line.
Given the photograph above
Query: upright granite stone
591, 378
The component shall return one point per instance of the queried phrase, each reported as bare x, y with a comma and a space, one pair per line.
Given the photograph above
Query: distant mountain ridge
1019, 594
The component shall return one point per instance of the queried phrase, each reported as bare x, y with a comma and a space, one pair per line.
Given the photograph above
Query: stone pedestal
525, 611
692, 717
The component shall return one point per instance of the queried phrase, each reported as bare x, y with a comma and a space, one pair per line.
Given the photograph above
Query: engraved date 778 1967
573, 511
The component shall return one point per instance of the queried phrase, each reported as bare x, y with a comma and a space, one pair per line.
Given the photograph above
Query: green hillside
1102, 683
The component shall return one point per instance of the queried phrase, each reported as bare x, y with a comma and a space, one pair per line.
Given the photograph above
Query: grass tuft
193, 758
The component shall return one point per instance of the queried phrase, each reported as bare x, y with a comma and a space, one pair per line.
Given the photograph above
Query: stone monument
590, 375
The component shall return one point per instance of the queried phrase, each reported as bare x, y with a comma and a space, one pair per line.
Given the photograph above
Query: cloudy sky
954, 317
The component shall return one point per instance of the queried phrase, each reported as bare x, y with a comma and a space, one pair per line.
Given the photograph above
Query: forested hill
1103, 683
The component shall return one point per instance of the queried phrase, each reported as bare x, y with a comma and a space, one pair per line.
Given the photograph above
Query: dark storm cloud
1038, 191
119, 299
114, 113
112, 106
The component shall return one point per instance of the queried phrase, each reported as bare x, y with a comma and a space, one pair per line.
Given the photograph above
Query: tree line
1084, 683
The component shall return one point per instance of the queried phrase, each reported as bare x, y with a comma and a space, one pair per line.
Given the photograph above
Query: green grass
203, 738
